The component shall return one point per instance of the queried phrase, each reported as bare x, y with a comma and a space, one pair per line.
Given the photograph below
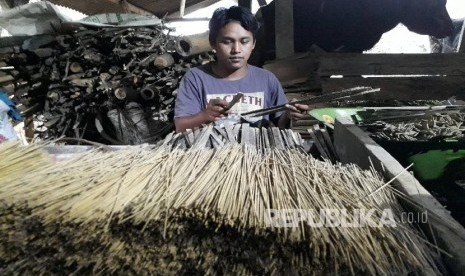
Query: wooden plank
104, 6
258, 138
293, 70
296, 138
424, 88
355, 146
236, 130
318, 144
266, 138
319, 134
277, 139
216, 139
230, 133
300, 69
329, 143
203, 138
245, 134
290, 138
220, 131
189, 136
287, 144
252, 138
392, 64
160, 8
284, 13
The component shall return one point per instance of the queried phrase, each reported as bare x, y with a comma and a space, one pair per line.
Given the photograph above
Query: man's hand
296, 112
293, 113
214, 110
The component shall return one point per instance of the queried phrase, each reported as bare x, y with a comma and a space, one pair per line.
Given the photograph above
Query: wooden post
461, 44
284, 18
182, 8
245, 3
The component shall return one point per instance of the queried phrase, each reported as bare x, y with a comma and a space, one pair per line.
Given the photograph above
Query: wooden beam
193, 8
284, 16
298, 69
159, 8
185, 19
403, 88
103, 6
392, 64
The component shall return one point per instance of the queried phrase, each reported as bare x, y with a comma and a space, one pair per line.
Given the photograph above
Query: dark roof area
159, 8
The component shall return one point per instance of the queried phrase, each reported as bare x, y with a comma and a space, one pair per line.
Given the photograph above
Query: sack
7, 131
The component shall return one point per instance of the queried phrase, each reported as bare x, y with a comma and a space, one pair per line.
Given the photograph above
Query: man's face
233, 46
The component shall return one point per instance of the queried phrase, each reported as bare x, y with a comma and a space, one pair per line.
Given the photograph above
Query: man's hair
223, 16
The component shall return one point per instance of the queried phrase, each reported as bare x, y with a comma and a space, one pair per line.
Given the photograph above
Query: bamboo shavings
213, 202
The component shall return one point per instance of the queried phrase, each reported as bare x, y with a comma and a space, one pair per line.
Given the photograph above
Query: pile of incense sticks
164, 210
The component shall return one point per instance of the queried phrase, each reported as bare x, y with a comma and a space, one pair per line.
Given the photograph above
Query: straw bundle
171, 211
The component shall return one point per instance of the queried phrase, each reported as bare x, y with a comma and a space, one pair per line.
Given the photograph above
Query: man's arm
189, 122
214, 110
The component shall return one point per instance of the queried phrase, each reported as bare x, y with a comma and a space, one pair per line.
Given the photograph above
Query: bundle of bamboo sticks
165, 210
14, 162
217, 136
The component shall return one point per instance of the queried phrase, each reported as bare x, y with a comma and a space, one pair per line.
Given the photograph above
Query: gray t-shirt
260, 87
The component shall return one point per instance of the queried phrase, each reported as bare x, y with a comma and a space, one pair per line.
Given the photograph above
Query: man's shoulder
199, 71
256, 69
260, 72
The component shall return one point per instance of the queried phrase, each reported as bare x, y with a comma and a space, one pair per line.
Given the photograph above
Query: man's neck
228, 74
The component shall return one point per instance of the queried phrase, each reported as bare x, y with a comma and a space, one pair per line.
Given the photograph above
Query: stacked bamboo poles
226, 192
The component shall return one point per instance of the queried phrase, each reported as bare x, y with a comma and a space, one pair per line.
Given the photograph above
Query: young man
205, 91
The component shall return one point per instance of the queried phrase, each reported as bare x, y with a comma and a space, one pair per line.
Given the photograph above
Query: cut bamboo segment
193, 44
163, 61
